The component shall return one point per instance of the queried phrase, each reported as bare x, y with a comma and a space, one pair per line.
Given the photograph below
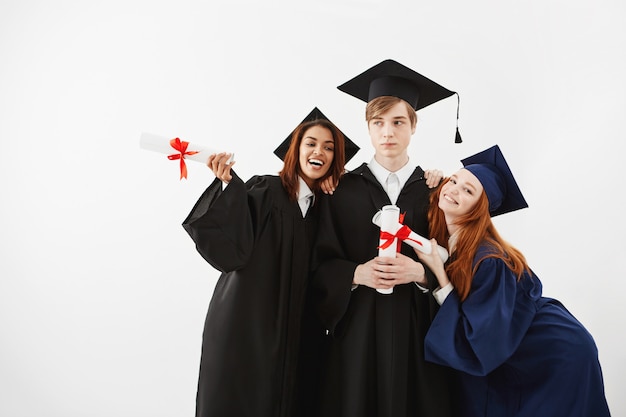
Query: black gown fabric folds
376, 363
258, 239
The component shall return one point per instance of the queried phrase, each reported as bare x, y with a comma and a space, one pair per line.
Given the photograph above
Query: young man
375, 364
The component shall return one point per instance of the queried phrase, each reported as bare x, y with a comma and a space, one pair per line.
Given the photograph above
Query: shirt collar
381, 173
303, 190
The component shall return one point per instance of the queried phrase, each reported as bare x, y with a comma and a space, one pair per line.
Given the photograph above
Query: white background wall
102, 295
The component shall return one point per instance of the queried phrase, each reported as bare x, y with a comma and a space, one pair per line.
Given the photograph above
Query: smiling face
316, 153
390, 133
459, 195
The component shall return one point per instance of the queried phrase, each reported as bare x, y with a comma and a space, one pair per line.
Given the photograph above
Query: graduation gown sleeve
479, 334
334, 275
222, 222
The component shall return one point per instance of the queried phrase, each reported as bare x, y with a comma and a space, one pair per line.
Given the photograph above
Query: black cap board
390, 78
350, 147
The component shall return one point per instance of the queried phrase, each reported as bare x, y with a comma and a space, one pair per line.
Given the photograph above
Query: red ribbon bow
402, 234
181, 147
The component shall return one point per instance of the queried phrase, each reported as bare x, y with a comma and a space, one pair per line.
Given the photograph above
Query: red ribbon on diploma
181, 147
402, 234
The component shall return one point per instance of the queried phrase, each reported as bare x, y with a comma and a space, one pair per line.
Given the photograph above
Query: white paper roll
414, 240
162, 145
389, 222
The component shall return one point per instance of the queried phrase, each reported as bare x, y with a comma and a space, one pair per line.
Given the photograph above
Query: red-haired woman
519, 353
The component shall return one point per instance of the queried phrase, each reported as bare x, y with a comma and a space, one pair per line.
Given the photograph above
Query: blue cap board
493, 172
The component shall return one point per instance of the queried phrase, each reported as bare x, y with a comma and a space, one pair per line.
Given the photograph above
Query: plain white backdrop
102, 294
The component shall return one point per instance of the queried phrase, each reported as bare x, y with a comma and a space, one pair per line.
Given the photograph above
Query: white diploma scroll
413, 239
389, 221
163, 145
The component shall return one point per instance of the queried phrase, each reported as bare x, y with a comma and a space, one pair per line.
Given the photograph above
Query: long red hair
291, 169
475, 228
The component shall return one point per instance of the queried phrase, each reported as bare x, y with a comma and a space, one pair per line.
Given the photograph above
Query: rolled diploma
161, 144
425, 247
389, 222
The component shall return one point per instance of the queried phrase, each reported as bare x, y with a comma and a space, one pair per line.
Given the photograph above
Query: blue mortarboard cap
350, 147
493, 172
390, 78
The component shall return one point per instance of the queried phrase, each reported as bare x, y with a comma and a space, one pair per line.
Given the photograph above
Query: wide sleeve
332, 271
481, 333
224, 223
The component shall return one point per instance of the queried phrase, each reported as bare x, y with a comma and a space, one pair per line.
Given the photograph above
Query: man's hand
384, 273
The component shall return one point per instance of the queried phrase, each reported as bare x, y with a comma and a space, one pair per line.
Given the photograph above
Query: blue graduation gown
520, 354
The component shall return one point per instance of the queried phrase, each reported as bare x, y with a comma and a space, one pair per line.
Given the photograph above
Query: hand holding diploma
221, 164
176, 149
405, 234
388, 222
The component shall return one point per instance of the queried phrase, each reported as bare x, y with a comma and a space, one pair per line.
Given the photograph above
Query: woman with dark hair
519, 353
259, 235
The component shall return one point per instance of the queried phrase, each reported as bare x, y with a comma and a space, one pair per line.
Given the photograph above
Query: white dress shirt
381, 173
305, 197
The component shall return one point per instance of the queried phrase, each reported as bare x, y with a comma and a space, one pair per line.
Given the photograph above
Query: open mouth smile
449, 199
316, 163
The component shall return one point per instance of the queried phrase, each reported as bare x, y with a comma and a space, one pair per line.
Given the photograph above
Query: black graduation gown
259, 240
376, 363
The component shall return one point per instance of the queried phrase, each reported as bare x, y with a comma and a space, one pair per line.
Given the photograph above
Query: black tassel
457, 138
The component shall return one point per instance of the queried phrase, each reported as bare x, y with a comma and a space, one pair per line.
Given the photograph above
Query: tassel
457, 137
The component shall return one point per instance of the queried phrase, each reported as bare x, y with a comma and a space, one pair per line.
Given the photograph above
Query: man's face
391, 132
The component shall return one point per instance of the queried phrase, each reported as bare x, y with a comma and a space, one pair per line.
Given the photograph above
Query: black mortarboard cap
350, 147
390, 78
493, 172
